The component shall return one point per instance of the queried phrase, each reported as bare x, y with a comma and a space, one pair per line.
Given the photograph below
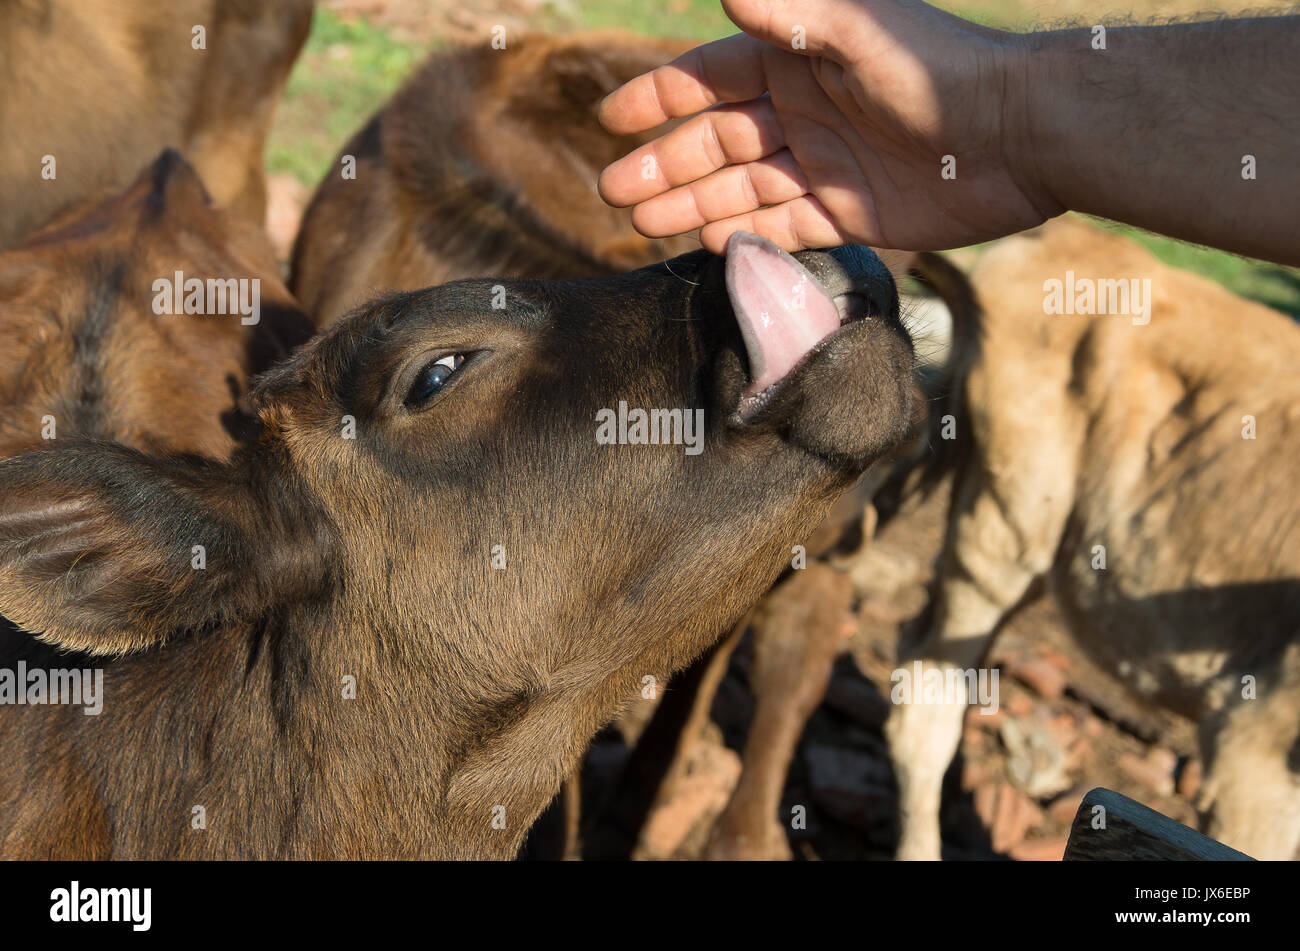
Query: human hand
845, 140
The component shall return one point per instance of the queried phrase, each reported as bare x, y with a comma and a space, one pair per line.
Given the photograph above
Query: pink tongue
781, 309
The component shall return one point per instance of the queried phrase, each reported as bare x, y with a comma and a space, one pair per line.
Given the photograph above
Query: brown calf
94, 90
84, 351
85, 356
483, 164
429, 581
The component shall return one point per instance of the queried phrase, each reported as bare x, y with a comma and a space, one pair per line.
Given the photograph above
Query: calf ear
105, 550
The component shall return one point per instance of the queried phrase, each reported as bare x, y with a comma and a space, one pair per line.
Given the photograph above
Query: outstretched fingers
793, 225
731, 191
724, 135
726, 70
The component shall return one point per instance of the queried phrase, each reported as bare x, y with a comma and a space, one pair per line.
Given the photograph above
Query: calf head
482, 164
443, 504
84, 350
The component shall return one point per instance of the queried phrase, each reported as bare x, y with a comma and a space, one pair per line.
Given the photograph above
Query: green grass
688, 19
997, 14
346, 72
349, 69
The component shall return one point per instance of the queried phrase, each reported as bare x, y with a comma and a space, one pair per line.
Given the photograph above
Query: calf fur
490, 580
1084, 438
94, 89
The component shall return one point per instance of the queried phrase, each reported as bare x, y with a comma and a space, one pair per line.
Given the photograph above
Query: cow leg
1004, 528
923, 737
799, 630
572, 804
1251, 795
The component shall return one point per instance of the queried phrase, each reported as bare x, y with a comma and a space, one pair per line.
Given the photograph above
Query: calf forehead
537, 305
468, 304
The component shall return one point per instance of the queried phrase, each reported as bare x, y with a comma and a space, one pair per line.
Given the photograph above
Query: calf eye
432, 377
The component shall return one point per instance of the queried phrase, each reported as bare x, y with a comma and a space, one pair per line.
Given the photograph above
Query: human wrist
1079, 85
1041, 115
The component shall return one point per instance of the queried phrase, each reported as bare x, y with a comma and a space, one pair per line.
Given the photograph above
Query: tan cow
1128, 432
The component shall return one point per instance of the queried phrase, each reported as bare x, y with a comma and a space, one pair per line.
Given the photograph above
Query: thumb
807, 27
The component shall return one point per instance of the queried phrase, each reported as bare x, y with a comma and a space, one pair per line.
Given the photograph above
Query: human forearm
1165, 127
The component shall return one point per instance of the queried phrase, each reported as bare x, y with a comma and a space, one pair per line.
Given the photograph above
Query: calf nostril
882, 299
862, 302
854, 306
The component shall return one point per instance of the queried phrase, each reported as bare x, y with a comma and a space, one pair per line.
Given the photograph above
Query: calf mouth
792, 308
